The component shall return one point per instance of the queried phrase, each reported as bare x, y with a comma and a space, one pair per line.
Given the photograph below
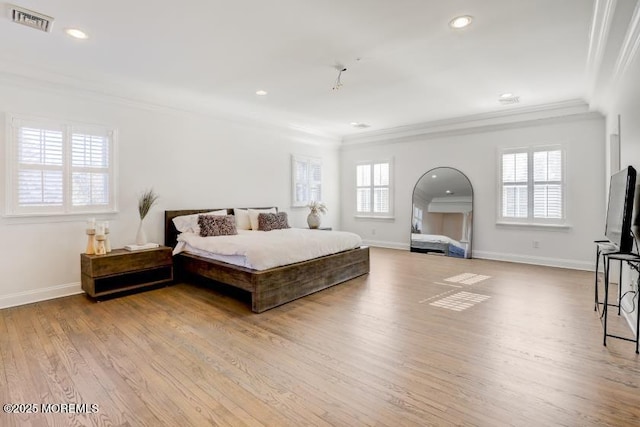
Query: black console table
633, 260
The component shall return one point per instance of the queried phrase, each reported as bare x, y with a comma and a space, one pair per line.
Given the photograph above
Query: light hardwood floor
372, 351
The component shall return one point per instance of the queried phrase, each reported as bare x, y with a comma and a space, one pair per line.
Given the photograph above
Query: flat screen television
620, 209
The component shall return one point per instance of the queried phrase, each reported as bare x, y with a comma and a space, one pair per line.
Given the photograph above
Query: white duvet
261, 250
434, 238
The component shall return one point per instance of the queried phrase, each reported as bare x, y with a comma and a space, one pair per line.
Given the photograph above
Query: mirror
442, 213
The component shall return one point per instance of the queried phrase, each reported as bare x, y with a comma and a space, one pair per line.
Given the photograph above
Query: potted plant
145, 202
316, 209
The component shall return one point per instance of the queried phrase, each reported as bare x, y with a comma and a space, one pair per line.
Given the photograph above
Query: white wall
191, 161
617, 93
475, 153
625, 102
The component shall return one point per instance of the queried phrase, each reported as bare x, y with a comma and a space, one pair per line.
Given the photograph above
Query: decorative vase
141, 237
313, 220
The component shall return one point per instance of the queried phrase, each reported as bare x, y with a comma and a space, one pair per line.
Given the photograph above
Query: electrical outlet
536, 244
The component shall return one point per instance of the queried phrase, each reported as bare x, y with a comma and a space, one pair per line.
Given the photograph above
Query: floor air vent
30, 18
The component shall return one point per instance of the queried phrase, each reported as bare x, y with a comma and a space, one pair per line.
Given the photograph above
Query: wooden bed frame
275, 286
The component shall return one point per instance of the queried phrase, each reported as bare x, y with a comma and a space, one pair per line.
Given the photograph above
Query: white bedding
261, 250
434, 238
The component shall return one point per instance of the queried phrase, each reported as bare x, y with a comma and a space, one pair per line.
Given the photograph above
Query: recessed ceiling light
75, 33
261, 92
449, 192
460, 22
434, 176
506, 95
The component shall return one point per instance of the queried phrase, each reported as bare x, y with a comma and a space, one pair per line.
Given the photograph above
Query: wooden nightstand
122, 270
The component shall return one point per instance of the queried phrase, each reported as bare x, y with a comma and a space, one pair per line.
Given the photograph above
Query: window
532, 185
306, 175
59, 168
416, 224
373, 189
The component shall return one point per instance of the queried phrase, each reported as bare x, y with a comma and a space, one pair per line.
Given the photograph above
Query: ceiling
405, 65
442, 183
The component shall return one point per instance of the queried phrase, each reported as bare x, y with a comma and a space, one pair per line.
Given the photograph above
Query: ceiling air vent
509, 100
30, 18
360, 125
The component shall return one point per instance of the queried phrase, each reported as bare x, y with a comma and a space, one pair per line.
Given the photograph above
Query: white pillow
189, 223
242, 219
253, 216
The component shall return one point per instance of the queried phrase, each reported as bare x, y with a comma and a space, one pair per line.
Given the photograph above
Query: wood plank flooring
372, 351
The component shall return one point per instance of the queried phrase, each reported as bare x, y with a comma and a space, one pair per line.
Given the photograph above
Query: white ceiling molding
629, 48
603, 13
486, 122
111, 96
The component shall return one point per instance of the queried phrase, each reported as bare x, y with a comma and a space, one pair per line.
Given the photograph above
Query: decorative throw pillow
283, 220
212, 225
253, 216
270, 221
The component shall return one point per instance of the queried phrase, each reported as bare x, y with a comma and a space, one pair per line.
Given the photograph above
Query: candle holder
100, 238
100, 246
107, 242
91, 241
91, 232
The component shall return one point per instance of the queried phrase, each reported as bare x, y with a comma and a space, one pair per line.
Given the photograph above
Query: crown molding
486, 122
603, 14
184, 105
630, 46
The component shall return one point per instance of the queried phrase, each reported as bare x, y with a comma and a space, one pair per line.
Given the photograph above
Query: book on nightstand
141, 247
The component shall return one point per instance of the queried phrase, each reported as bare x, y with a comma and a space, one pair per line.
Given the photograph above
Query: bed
274, 286
426, 243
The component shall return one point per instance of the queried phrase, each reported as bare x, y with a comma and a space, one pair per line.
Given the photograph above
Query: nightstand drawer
122, 270
122, 261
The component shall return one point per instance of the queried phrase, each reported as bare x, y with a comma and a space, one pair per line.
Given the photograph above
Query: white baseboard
28, 297
498, 256
628, 314
526, 259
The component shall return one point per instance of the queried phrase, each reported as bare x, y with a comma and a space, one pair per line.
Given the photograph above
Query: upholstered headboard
170, 232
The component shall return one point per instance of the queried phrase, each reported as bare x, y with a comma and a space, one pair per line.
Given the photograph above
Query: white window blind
514, 185
416, 225
532, 186
306, 173
40, 167
59, 168
547, 184
90, 170
373, 189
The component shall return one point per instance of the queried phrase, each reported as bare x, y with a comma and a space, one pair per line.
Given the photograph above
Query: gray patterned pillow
217, 225
271, 221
